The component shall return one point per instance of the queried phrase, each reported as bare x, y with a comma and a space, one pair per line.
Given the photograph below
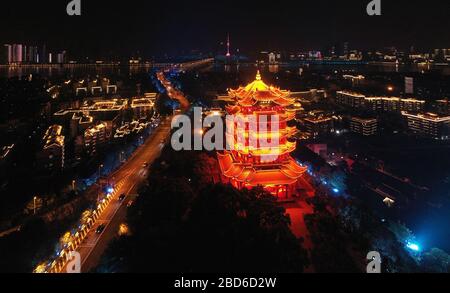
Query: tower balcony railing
282, 149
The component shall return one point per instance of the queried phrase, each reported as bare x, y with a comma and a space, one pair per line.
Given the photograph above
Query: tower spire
228, 45
258, 75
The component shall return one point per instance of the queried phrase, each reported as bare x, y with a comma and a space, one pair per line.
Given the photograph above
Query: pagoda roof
269, 177
288, 173
236, 109
258, 91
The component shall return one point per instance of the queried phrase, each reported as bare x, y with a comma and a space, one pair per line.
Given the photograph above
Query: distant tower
272, 58
228, 46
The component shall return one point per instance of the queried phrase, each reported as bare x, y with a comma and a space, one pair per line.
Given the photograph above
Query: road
172, 92
131, 174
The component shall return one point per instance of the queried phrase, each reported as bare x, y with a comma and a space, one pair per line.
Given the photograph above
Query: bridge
186, 66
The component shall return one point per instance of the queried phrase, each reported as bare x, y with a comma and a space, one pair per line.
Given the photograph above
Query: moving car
100, 229
122, 197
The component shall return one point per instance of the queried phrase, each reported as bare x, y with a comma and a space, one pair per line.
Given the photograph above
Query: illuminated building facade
245, 164
318, 126
429, 124
94, 137
443, 107
364, 126
142, 107
378, 104
51, 156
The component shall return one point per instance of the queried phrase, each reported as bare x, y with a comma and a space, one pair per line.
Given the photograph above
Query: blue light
335, 190
110, 190
413, 246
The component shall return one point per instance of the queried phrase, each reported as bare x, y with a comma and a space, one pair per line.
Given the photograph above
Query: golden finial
258, 76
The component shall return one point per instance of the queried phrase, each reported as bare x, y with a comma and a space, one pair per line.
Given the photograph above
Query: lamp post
100, 184
100, 170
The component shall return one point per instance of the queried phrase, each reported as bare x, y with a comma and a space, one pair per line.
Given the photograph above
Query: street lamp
100, 170
99, 175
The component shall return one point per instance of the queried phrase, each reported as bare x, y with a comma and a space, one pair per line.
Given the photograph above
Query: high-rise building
43, 55
318, 126
350, 99
33, 54
94, 137
17, 53
443, 107
142, 107
345, 49
429, 124
7, 54
52, 154
30, 54
61, 57
252, 160
409, 85
379, 104
25, 54
3, 55
272, 58
364, 126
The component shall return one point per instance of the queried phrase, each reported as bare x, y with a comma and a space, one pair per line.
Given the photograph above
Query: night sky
177, 27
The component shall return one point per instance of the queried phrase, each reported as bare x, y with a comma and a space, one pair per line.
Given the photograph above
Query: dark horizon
176, 28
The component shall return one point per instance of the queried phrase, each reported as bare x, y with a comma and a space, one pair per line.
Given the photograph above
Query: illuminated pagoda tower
246, 165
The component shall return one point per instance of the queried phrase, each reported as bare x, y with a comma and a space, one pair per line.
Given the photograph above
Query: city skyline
24, 54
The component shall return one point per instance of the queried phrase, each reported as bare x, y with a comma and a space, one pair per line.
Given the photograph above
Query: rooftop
142, 102
428, 116
53, 137
318, 119
95, 129
259, 92
364, 120
384, 98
